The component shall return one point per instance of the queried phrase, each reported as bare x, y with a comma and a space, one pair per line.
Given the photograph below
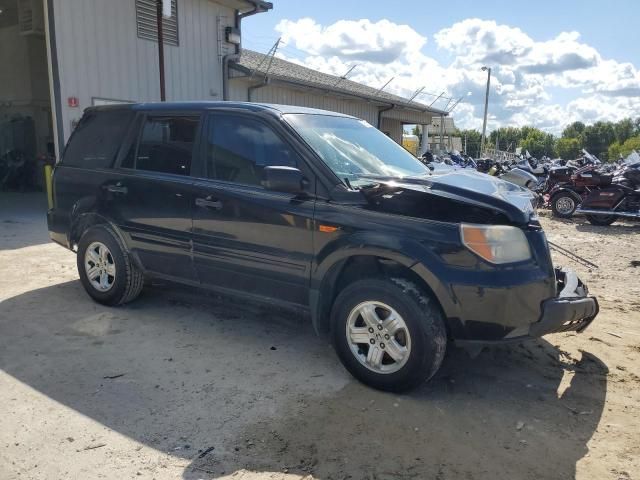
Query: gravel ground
183, 384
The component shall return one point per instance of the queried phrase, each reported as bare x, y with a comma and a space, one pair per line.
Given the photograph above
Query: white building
256, 77
442, 135
58, 57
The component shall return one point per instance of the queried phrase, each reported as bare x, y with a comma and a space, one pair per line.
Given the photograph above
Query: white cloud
482, 41
524, 71
379, 42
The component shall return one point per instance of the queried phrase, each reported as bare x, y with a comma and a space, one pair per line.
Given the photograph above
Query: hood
477, 191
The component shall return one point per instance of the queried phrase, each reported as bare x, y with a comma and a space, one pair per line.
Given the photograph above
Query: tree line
606, 140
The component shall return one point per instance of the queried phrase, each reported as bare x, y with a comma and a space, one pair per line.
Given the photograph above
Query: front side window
239, 148
166, 145
355, 150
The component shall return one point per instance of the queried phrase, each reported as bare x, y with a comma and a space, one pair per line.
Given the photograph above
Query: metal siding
393, 128
238, 90
291, 96
408, 116
279, 94
100, 54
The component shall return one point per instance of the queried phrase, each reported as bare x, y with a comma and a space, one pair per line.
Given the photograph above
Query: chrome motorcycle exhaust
608, 212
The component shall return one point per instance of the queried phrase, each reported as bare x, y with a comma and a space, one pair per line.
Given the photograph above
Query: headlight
496, 243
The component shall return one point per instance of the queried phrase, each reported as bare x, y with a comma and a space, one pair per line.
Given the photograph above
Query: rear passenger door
245, 237
153, 195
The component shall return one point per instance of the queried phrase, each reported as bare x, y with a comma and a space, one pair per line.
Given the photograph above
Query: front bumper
572, 310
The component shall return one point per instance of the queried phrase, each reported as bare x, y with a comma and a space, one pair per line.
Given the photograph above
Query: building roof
258, 64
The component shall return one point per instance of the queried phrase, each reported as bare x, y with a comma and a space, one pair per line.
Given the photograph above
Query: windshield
353, 149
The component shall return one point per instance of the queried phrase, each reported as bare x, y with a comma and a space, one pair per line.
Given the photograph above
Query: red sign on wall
73, 102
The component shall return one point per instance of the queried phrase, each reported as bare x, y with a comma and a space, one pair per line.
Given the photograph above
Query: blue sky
552, 62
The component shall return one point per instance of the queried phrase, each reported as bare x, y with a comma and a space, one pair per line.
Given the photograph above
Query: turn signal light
497, 244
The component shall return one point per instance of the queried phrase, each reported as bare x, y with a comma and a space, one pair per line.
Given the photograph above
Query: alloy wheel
378, 337
100, 266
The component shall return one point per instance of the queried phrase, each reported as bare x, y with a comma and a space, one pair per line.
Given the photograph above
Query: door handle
209, 203
121, 189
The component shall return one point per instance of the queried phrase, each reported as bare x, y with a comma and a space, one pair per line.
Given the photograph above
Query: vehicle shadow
620, 227
229, 386
616, 229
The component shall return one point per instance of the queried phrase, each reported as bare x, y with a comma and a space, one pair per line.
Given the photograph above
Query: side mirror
283, 179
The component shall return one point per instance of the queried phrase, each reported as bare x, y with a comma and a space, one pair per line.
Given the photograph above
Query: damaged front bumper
572, 310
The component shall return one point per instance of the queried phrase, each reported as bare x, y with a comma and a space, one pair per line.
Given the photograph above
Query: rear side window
95, 141
166, 145
239, 148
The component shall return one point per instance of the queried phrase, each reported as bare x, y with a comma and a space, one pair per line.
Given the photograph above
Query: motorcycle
515, 175
604, 206
564, 198
485, 165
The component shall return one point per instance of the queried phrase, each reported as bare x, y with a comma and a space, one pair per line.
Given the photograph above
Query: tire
563, 205
601, 220
423, 338
124, 280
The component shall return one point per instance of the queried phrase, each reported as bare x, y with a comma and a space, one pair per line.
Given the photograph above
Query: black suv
311, 209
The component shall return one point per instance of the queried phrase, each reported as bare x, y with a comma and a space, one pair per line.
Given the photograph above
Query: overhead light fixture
233, 35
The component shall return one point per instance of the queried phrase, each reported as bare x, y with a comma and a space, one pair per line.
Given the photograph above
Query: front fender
401, 250
406, 251
568, 191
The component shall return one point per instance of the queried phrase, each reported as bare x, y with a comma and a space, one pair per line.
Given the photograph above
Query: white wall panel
392, 120
100, 54
304, 98
393, 128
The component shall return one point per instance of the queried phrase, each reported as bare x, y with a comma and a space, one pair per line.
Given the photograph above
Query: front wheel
563, 205
388, 333
601, 220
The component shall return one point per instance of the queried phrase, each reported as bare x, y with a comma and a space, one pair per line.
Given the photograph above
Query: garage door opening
26, 130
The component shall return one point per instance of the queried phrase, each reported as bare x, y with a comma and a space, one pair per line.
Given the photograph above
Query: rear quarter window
95, 142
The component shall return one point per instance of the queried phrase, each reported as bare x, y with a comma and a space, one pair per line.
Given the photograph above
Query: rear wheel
106, 271
601, 220
563, 205
388, 333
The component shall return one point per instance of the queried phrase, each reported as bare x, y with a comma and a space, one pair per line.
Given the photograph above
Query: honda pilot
313, 210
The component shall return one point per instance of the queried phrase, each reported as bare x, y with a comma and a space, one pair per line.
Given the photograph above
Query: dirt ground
183, 384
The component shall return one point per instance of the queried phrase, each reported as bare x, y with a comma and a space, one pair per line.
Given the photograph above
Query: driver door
247, 238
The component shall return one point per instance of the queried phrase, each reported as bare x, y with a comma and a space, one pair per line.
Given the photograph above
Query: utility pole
465, 143
159, 15
486, 108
